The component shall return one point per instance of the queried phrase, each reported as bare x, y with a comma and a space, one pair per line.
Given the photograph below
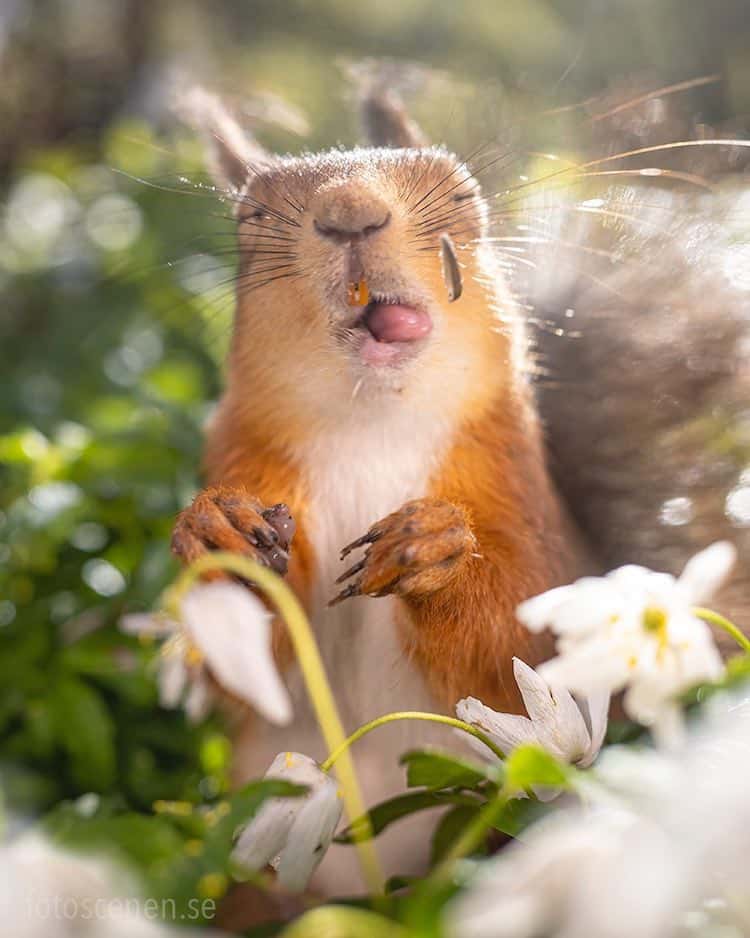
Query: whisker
356, 389
456, 168
675, 145
652, 172
267, 210
658, 93
442, 196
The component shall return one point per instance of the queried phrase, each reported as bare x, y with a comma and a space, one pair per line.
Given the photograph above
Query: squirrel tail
643, 382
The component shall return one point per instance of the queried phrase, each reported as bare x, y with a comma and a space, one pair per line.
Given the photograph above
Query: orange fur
292, 383
257, 468
464, 636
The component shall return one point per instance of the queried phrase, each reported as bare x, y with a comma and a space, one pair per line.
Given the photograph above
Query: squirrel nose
345, 214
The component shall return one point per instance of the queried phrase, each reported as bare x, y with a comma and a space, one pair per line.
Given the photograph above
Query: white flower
634, 629
537, 887
292, 834
47, 892
665, 844
570, 730
225, 631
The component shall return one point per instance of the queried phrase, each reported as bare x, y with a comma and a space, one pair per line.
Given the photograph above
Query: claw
351, 590
278, 560
360, 565
266, 538
281, 522
369, 538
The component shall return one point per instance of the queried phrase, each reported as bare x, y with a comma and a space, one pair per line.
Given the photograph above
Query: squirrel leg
414, 551
459, 590
229, 518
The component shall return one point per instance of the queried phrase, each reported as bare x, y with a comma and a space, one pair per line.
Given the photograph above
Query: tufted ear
384, 117
232, 152
386, 122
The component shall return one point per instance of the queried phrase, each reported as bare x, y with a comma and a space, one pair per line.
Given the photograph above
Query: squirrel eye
463, 196
258, 213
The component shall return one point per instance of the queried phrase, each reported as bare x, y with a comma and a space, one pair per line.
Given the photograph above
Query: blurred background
115, 305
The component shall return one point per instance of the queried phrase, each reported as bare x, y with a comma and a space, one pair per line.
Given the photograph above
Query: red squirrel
401, 443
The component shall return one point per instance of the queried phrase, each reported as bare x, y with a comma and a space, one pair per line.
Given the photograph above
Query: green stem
314, 674
409, 715
472, 835
729, 627
343, 922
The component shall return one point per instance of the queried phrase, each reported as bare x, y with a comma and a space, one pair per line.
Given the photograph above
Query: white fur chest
356, 476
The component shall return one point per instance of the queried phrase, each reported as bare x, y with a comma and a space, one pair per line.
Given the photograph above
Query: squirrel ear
232, 152
386, 122
384, 117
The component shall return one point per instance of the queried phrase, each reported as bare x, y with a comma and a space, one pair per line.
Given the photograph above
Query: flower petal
595, 710
568, 737
539, 612
595, 604
310, 836
507, 730
292, 833
173, 677
151, 624
556, 719
198, 700
264, 837
706, 571
577, 609
535, 692
588, 667
232, 628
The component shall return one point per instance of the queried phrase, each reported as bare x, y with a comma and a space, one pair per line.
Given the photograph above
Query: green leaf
87, 733
385, 813
531, 765
449, 829
519, 813
112, 665
145, 841
437, 769
26, 790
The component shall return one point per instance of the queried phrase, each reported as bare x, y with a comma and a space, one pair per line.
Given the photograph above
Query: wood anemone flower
292, 834
569, 729
224, 633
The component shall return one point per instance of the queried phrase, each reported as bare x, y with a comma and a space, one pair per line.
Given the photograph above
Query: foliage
101, 450
115, 309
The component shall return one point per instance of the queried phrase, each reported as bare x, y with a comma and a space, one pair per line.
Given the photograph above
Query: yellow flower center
179, 645
193, 656
654, 619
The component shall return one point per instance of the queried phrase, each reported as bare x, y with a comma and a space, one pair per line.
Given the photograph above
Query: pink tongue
391, 322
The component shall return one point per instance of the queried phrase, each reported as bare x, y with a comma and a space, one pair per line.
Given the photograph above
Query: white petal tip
707, 571
281, 715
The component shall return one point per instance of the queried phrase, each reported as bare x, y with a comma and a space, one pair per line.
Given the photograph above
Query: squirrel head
341, 290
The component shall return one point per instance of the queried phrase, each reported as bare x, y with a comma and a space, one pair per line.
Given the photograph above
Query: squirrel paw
227, 518
414, 551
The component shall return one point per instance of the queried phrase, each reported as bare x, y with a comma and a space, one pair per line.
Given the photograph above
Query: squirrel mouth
391, 331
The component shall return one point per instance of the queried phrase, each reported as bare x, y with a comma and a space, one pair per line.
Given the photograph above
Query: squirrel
417, 466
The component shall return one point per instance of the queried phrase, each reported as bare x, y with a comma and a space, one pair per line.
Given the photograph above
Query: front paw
228, 518
415, 551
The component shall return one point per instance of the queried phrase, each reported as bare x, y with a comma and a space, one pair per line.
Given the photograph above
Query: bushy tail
643, 353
